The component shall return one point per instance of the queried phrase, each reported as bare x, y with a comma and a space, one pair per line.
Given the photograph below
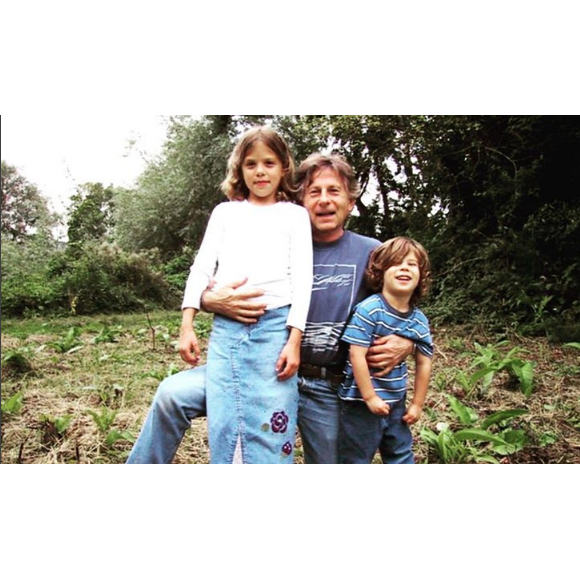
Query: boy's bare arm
422, 377
363, 380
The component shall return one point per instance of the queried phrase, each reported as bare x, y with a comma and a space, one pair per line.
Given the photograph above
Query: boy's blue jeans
362, 433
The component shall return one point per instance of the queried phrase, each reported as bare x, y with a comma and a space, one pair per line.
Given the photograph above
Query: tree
24, 210
91, 213
175, 195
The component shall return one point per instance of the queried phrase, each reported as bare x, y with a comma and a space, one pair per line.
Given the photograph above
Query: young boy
373, 414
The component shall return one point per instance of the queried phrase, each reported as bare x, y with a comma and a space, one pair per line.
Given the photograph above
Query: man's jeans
318, 419
179, 399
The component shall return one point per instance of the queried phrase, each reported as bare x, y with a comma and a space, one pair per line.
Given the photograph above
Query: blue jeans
179, 399
362, 433
318, 420
251, 414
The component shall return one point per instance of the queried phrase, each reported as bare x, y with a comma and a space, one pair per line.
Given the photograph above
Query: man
328, 190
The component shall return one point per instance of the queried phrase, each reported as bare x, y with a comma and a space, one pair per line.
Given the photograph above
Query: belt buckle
323, 373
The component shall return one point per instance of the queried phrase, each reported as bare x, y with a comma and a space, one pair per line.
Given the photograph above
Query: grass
81, 396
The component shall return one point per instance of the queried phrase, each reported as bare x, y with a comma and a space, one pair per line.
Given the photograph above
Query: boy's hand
288, 361
413, 413
378, 407
189, 346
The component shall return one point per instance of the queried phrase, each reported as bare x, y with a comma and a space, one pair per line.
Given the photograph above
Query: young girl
252, 390
373, 414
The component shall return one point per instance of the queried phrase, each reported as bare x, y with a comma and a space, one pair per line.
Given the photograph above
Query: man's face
328, 204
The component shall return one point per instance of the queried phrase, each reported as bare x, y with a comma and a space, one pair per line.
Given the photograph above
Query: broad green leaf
525, 375
573, 344
500, 416
478, 435
466, 415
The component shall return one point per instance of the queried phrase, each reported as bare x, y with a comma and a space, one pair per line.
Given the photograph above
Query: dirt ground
87, 405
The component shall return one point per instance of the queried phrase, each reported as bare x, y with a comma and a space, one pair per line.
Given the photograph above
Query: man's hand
387, 352
233, 303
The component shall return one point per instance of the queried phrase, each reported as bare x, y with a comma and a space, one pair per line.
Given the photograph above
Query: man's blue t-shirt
337, 287
375, 317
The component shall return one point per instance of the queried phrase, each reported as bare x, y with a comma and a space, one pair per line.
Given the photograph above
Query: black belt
333, 375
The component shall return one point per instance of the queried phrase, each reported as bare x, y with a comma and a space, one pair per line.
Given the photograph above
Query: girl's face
402, 279
262, 171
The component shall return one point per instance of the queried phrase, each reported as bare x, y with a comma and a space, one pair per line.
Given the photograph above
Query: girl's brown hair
393, 252
234, 185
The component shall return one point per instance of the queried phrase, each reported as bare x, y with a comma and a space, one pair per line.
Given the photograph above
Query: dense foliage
24, 210
493, 198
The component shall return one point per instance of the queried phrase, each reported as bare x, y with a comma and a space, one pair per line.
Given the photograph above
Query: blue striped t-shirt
374, 317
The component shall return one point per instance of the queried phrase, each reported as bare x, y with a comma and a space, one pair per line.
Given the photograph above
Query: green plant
203, 325
13, 405
475, 441
68, 343
16, 361
160, 375
54, 428
575, 345
107, 334
111, 394
490, 360
104, 421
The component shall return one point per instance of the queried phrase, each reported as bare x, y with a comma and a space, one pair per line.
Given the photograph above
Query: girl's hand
288, 362
189, 347
413, 413
378, 407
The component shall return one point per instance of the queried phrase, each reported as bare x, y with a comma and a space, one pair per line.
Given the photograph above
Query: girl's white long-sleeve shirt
271, 245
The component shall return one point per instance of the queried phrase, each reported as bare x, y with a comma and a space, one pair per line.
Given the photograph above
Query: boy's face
402, 279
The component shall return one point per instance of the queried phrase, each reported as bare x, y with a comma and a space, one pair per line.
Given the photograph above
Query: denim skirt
251, 414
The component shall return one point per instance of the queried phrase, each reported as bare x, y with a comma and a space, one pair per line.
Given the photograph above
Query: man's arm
387, 352
233, 303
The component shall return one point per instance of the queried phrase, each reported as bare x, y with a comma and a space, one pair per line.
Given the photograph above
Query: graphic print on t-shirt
333, 295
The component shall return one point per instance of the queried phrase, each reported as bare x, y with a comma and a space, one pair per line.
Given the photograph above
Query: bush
106, 279
92, 278
176, 270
